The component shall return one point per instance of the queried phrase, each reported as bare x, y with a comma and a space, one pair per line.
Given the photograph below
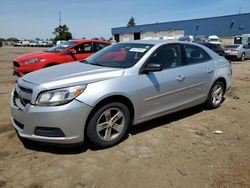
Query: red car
73, 50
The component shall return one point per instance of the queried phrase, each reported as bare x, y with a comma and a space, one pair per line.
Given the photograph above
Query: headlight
32, 61
59, 96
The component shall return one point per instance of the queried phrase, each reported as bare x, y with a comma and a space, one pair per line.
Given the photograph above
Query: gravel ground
178, 150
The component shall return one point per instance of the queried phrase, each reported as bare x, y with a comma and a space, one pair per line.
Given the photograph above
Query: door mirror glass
152, 67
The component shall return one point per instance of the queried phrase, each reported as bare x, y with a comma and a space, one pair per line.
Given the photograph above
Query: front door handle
180, 78
209, 70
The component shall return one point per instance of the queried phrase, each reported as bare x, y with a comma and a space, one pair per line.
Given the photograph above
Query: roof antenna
60, 20
240, 10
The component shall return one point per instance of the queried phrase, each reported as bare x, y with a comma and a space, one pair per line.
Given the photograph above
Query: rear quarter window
194, 54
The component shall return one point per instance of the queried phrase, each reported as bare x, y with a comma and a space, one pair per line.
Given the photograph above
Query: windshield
232, 46
121, 55
213, 39
61, 47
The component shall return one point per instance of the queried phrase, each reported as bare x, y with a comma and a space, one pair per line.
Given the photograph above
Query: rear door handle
180, 78
209, 70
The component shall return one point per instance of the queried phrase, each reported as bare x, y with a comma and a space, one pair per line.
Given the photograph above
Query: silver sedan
238, 51
121, 85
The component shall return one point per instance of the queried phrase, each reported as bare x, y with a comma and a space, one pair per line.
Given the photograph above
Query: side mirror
152, 67
72, 51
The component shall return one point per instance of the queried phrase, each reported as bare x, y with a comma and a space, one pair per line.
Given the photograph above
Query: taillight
234, 50
229, 62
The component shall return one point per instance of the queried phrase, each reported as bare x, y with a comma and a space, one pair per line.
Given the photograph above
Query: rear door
198, 69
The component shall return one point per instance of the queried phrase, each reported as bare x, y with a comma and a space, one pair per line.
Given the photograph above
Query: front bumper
20, 69
70, 119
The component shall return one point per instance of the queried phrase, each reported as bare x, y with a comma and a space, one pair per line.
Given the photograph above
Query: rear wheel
215, 95
108, 124
243, 57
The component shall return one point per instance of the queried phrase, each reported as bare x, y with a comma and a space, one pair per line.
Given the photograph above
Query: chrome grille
24, 94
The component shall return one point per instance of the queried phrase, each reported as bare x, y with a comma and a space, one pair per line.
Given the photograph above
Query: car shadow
165, 120
133, 130
54, 148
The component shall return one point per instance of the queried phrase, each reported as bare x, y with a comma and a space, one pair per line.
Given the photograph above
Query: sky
29, 19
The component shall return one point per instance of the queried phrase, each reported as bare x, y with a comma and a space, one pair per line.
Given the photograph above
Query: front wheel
108, 124
215, 95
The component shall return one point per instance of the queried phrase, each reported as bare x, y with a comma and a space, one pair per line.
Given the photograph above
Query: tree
2, 39
131, 22
62, 33
102, 38
12, 39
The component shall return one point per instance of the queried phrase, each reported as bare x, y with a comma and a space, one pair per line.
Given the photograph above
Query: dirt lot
178, 150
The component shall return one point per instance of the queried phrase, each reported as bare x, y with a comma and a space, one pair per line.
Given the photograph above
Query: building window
241, 27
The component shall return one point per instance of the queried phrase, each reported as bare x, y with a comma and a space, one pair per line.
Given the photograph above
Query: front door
161, 91
83, 51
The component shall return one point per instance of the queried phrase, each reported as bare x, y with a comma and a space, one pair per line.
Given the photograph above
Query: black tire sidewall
209, 103
243, 55
91, 127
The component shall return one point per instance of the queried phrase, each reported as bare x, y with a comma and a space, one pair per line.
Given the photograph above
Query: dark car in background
215, 47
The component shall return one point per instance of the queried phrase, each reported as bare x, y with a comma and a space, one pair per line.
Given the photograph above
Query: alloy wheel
217, 94
243, 57
110, 124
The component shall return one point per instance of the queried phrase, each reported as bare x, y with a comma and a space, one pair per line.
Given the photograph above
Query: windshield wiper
96, 64
85, 61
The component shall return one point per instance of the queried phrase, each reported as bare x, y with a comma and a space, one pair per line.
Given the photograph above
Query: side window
247, 46
194, 54
99, 46
168, 56
83, 48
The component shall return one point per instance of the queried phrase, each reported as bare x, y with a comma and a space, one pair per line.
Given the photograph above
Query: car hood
70, 74
41, 54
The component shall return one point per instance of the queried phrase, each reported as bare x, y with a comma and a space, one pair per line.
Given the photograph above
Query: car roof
90, 40
161, 42
154, 42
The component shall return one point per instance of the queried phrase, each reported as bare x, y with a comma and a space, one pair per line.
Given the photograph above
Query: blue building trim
222, 26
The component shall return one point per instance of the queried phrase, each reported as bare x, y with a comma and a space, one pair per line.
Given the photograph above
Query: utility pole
240, 10
60, 20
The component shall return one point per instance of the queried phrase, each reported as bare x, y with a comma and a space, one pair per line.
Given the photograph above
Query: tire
243, 57
104, 132
215, 96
